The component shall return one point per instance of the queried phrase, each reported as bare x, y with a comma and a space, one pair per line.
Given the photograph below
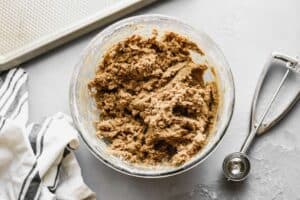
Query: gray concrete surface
247, 31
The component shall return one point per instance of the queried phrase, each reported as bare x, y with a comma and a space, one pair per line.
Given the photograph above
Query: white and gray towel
36, 160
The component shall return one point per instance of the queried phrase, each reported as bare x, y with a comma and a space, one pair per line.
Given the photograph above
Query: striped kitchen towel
36, 160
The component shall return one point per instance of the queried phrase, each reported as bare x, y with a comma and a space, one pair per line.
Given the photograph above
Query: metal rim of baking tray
179, 170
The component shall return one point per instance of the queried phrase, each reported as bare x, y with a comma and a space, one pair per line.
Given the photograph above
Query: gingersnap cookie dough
155, 107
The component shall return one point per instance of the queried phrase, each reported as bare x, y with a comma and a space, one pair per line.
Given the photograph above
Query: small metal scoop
236, 166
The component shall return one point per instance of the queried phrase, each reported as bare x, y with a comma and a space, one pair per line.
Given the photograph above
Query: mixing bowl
84, 111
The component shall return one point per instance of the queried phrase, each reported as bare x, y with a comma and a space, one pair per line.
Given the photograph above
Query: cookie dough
155, 107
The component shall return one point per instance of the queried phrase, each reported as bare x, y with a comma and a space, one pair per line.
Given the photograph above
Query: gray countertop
247, 32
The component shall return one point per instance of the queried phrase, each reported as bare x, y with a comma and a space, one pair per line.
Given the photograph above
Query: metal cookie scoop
236, 166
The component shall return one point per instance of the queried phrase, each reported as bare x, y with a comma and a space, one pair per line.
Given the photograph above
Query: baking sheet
31, 27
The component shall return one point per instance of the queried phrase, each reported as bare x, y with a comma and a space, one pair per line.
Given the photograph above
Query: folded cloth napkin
36, 160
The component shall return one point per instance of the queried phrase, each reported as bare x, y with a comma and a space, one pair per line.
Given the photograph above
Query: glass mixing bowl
84, 111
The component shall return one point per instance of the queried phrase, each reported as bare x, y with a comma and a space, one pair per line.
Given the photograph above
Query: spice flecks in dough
154, 105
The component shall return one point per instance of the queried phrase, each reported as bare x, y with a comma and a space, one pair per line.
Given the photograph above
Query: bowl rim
79, 126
